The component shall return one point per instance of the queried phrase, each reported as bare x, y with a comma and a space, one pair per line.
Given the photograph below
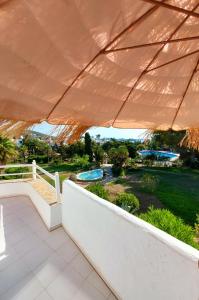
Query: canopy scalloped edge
67, 133
191, 139
72, 133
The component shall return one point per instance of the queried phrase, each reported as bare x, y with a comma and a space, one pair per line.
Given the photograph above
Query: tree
8, 150
99, 154
36, 146
113, 143
98, 136
88, 146
118, 157
132, 149
23, 151
170, 140
166, 139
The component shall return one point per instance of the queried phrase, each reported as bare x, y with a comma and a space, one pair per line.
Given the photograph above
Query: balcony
76, 245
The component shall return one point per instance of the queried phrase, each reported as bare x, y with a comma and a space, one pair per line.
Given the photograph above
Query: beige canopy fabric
120, 63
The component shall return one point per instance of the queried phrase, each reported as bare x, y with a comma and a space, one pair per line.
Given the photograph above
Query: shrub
197, 225
117, 171
81, 162
168, 222
98, 190
128, 202
42, 159
118, 157
149, 182
13, 170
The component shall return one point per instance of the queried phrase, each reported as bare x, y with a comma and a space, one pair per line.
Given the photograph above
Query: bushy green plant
118, 157
82, 162
197, 225
12, 170
117, 171
149, 182
132, 163
41, 159
128, 202
8, 150
98, 190
168, 222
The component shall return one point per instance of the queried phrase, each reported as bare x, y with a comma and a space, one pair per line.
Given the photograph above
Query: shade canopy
120, 63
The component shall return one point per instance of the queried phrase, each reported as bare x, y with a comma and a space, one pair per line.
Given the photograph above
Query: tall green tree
23, 152
119, 157
36, 146
88, 146
166, 139
8, 150
170, 140
99, 154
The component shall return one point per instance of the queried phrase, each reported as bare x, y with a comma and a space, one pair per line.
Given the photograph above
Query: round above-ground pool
90, 175
171, 156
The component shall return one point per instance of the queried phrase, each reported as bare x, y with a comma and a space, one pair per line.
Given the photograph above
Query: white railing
34, 174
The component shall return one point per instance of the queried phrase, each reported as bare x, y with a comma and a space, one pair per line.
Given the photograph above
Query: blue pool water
166, 154
90, 175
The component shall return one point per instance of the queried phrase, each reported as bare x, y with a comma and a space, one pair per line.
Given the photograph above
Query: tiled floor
42, 265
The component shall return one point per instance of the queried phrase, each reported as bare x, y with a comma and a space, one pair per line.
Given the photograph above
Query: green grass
178, 188
179, 192
62, 167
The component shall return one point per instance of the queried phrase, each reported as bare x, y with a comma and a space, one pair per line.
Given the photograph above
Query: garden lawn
65, 170
178, 192
67, 167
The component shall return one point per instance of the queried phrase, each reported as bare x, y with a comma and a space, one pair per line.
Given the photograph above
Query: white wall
137, 260
51, 214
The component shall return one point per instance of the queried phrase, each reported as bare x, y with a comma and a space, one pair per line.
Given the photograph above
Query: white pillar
57, 187
34, 170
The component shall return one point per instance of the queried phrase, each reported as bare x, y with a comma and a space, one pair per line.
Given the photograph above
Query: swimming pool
160, 154
90, 175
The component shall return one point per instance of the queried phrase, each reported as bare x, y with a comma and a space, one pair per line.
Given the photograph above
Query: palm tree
7, 150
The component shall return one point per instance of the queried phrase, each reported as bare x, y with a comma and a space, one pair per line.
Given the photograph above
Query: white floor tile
12, 275
48, 271
88, 292
31, 242
27, 289
98, 283
16, 236
37, 256
68, 250
43, 296
42, 265
8, 257
66, 285
81, 265
40, 230
57, 238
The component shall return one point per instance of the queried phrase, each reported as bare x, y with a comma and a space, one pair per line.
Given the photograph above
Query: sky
104, 132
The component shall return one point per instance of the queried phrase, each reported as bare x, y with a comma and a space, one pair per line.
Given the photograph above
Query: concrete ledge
50, 214
135, 259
